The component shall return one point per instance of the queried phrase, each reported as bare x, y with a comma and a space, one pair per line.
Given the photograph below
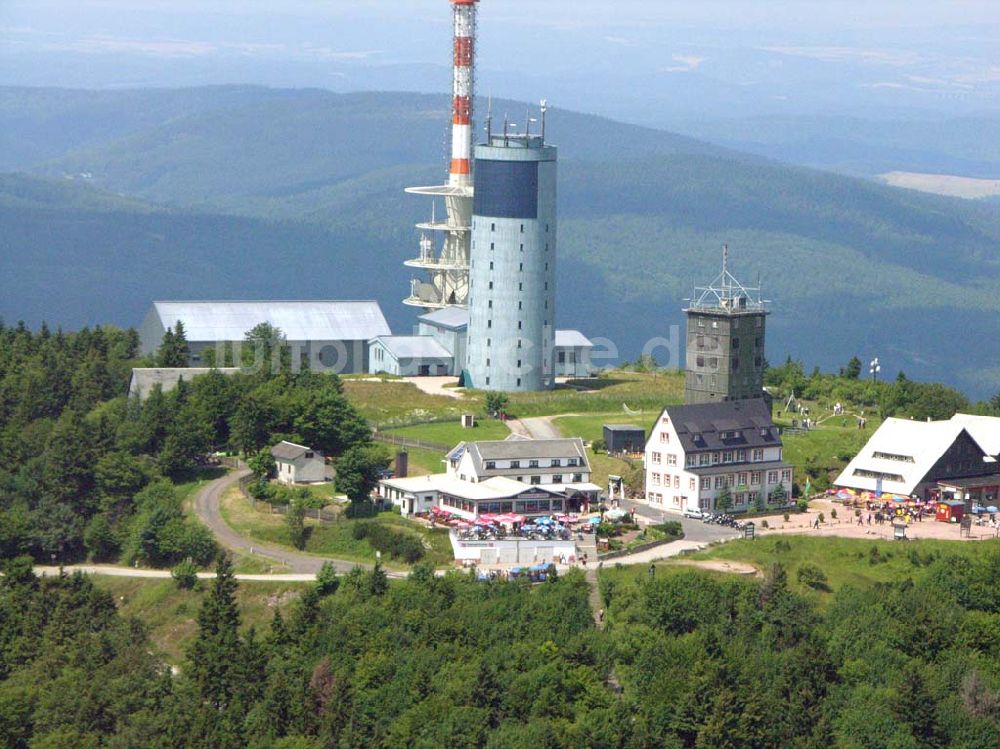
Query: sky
752, 55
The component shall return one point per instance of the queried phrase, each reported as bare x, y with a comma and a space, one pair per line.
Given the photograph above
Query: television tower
446, 261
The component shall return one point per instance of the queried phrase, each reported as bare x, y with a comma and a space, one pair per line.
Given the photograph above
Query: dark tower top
726, 325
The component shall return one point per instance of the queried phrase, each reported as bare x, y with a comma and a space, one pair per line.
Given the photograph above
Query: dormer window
515, 464
556, 463
532, 464
491, 465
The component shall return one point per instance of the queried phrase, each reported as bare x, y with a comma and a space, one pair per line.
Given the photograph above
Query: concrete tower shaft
512, 306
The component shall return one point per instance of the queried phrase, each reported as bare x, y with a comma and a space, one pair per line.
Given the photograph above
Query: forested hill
299, 194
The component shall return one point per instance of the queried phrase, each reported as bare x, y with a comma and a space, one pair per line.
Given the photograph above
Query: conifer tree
216, 655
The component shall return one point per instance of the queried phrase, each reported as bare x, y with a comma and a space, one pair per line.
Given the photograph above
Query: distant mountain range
126, 196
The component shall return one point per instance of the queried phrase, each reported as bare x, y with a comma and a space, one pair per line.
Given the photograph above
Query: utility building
725, 341
512, 310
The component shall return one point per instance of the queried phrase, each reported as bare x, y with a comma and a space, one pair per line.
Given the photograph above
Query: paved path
206, 507
536, 428
113, 571
436, 386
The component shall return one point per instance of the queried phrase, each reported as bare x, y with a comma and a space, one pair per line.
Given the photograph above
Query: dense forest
687, 660
86, 471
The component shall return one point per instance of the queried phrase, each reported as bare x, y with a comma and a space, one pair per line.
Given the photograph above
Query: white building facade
298, 464
696, 453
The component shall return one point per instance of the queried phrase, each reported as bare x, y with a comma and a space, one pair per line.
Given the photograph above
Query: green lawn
331, 539
171, 614
390, 403
424, 462
846, 561
591, 426
825, 451
605, 394
450, 433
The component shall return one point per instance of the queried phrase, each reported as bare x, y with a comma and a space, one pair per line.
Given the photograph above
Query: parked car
694, 513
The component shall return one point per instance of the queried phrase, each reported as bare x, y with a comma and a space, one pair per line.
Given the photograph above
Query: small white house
298, 464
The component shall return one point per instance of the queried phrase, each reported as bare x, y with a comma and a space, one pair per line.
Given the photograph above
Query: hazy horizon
638, 61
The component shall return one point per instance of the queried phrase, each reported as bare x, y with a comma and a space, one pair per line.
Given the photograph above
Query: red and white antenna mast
446, 261
464, 91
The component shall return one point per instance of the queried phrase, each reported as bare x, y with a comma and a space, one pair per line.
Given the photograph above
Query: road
206, 507
695, 531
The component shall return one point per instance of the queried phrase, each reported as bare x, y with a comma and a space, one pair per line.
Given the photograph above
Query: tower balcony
443, 226
435, 263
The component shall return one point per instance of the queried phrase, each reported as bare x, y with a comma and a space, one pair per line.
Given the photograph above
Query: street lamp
874, 368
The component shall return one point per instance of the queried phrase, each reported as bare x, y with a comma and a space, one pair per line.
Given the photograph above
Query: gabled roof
523, 450
297, 320
413, 347
985, 430
701, 426
452, 318
144, 379
572, 339
916, 446
290, 451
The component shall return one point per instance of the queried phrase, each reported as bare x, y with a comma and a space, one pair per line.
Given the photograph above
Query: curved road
206, 507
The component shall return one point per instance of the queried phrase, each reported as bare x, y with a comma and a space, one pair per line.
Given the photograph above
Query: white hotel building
694, 451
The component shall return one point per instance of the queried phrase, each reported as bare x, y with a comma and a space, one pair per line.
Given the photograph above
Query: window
736, 364
758, 454
491, 285
657, 458
490, 304
491, 265
493, 227
522, 228
577, 478
532, 464
671, 459
665, 438
536, 480
720, 481
692, 460
518, 382
772, 477
556, 463
520, 287
786, 475
693, 484
755, 478
489, 323
677, 482
727, 456
520, 266
310, 456
493, 245
715, 458
573, 462
515, 464
741, 456
556, 478
491, 465
742, 479
655, 479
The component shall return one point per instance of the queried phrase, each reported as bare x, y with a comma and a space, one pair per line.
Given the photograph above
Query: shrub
786, 516
599, 446
802, 505
327, 581
396, 545
822, 518
763, 524
782, 545
185, 574
833, 514
812, 576
671, 529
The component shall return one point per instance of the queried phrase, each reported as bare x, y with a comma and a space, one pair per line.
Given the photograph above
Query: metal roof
701, 426
916, 446
985, 430
572, 339
212, 321
287, 451
144, 379
413, 347
453, 318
